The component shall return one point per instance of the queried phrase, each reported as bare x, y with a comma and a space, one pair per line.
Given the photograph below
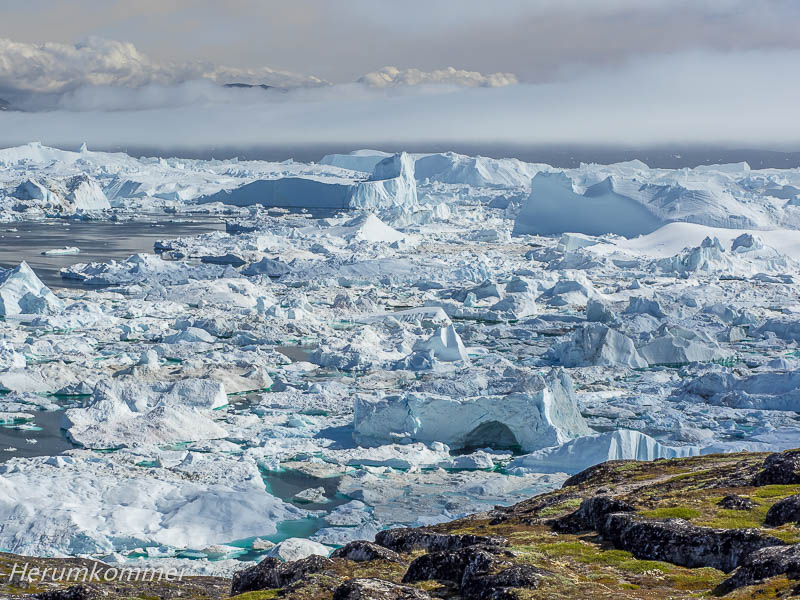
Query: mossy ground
578, 566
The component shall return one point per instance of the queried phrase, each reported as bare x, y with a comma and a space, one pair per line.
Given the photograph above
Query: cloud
339, 41
392, 76
53, 68
101, 74
735, 98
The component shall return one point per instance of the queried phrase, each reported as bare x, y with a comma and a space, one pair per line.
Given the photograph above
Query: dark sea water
98, 241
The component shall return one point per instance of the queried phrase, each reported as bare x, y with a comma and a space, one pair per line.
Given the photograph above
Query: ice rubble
121, 507
23, 293
234, 358
762, 391
540, 412
129, 414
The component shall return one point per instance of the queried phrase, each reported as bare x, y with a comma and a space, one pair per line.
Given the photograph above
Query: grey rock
377, 589
784, 511
681, 543
591, 514
734, 502
75, 592
272, 573
450, 565
500, 586
763, 564
408, 540
781, 468
362, 551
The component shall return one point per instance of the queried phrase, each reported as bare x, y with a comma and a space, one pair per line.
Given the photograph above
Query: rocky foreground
711, 526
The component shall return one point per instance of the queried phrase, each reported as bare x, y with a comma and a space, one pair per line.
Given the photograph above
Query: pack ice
377, 340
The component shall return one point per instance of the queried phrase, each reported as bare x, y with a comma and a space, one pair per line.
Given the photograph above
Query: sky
521, 71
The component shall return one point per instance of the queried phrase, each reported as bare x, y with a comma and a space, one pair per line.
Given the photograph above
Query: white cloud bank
392, 76
55, 68
742, 98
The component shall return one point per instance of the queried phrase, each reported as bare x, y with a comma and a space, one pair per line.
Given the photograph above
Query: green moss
737, 519
561, 507
704, 578
260, 595
776, 491
674, 512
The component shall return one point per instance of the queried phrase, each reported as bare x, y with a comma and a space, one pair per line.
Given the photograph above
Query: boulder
407, 540
377, 589
591, 514
272, 573
480, 572
679, 542
763, 564
734, 502
362, 551
74, 592
450, 565
499, 586
781, 468
784, 511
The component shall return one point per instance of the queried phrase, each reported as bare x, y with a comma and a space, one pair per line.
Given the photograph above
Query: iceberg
673, 345
761, 391
85, 194
542, 411
554, 206
391, 186
597, 344
23, 293
445, 345
358, 160
584, 452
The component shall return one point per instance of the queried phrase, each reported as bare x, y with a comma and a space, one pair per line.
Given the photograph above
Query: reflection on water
45, 439
97, 240
287, 483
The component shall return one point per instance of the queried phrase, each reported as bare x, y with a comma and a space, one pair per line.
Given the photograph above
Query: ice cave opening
491, 434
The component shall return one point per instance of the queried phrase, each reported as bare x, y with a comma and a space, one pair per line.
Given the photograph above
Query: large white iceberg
391, 185
541, 411
555, 207
583, 452
88, 504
